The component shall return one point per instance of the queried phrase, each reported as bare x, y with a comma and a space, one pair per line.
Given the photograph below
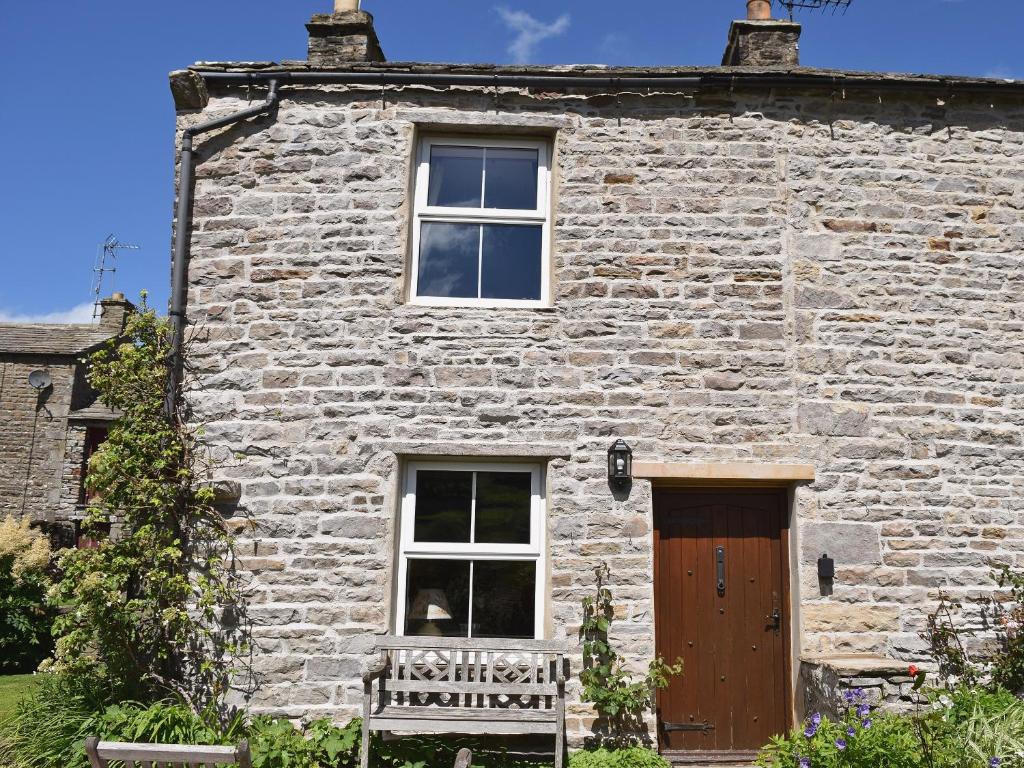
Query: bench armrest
374, 669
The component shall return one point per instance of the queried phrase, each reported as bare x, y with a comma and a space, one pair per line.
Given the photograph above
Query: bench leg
364, 745
559, 751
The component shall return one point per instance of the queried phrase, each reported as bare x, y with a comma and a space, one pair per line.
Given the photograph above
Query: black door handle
720, 566
775, 620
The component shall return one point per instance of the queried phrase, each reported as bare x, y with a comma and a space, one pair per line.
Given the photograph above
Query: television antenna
106, 262
835, 5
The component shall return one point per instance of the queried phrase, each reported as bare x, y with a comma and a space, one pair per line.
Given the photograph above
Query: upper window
481, 223
470, 551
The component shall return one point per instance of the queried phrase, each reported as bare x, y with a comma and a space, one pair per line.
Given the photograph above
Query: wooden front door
721, 602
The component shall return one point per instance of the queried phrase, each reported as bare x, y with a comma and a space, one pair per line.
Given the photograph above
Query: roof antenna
835, 5
106, 261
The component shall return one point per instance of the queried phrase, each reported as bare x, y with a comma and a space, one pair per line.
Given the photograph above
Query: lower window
470, 551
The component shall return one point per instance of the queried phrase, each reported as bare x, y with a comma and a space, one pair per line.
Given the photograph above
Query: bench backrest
101, 753
461, 672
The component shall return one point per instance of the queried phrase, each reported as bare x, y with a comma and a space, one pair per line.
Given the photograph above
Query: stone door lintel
702, 474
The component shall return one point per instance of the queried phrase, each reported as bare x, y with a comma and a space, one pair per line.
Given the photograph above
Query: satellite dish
39, 380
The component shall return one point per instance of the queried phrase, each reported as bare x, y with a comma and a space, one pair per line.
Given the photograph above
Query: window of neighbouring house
470, 560
94, 438
480, 234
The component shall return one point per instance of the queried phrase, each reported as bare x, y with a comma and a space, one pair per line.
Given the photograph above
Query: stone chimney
113, 312
761, 41
343, 37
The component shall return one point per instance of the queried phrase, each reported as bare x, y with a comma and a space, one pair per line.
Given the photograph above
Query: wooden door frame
784, 490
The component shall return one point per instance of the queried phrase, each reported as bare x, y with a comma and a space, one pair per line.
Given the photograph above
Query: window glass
503, 507
449, 260
470, 549
511, 261
456, 176
437, 598
511, 178
503, 598
443, 506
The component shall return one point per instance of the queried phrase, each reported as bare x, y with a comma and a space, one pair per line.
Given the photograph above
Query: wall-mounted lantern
826, 568
620, 464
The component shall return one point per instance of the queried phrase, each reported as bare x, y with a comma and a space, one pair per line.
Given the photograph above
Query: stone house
427, 298
50, 418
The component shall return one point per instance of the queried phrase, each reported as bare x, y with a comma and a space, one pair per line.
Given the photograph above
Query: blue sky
87, 119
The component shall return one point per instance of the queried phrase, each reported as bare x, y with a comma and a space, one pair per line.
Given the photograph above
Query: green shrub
861, 739
165, 722
278, 744
980, 725
50, 724
629, 757
25, 618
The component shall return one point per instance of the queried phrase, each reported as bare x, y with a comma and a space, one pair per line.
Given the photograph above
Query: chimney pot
345, 6
759, 10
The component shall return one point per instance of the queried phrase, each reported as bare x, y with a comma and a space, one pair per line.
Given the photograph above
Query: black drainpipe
183, 214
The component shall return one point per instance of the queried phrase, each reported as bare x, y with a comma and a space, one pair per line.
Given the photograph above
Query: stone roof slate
47, 339
813, 75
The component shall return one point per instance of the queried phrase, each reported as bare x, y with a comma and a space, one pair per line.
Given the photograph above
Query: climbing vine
156, 607
619, 698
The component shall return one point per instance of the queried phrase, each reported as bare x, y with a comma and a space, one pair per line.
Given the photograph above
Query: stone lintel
763, 473
477, 451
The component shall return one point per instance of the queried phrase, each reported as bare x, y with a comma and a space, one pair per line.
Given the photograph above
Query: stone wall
886, 684
33, 436
744, 277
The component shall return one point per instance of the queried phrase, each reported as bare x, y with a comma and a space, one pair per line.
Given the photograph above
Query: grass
12, 689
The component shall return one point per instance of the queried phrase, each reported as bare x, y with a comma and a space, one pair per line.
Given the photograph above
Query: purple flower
863, 710
812, 725
805, 762
840, 744
866, 724
994, 762
851, 731
848, 695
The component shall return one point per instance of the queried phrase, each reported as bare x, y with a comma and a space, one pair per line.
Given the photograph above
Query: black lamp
620, 464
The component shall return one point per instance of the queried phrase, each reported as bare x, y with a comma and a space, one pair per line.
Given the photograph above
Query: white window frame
427, 213
424, 550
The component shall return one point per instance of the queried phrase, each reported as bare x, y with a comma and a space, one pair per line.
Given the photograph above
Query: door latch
720, 568
775, 620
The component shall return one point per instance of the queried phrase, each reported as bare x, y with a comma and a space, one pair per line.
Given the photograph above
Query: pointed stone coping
762, 474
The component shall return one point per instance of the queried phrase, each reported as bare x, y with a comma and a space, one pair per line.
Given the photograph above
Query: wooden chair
101, 753
471, 686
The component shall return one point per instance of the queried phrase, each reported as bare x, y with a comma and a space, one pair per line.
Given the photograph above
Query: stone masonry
43, 432
744, 275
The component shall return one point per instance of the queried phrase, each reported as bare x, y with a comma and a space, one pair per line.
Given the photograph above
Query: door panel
733, 693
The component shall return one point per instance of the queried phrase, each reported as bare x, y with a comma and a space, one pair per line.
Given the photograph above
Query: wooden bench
458, 685
101, 753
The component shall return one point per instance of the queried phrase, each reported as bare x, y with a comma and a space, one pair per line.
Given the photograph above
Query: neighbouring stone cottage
429, 297
50, 418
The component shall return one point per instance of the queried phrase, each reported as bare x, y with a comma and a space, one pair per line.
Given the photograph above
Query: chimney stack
761, 41
344, 37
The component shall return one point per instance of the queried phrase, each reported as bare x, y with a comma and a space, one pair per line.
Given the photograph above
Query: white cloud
529, 32
1002, 73
80, 313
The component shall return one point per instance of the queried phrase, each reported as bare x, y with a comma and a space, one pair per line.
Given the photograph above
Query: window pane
511, 261
503, 507
511, 179
503, 598
437, 598
449, 258
443, 506
456, 176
